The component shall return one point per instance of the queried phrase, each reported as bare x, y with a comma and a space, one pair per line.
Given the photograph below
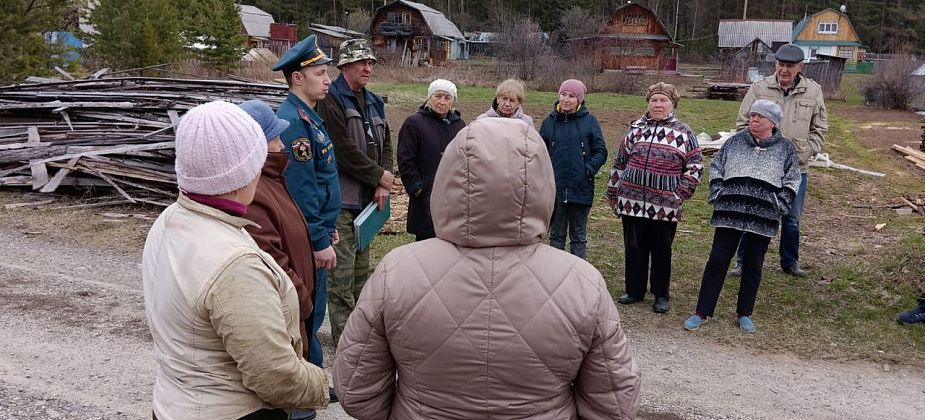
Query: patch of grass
859, 282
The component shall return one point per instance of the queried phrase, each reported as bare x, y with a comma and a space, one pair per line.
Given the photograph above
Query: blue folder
369, 222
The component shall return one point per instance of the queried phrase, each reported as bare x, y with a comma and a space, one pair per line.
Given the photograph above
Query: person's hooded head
496, 186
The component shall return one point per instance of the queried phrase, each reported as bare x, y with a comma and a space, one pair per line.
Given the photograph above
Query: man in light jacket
804, 123
486, 321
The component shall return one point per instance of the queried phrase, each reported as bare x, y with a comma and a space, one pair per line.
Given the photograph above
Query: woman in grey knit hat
753, 180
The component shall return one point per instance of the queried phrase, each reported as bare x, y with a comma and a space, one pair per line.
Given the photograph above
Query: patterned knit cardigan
657, 168
751, 184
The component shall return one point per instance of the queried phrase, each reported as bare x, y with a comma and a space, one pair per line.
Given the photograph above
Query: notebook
369, 222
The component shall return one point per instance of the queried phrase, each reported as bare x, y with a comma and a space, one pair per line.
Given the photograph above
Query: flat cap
789, 53
305, 53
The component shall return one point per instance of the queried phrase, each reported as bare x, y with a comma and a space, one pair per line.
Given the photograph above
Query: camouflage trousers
347, 279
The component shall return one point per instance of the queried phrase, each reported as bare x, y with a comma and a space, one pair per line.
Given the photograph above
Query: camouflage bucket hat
355, 50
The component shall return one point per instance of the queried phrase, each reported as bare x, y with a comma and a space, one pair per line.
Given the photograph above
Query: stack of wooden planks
115, 134
917, 157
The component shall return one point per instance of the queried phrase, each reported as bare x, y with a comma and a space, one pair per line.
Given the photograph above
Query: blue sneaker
746, 324
694, 322
912, 316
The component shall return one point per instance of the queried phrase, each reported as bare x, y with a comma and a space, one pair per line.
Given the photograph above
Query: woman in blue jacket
576, 145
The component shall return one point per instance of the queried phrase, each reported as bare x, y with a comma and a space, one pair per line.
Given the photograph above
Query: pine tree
218, 25
136, 33
23, 50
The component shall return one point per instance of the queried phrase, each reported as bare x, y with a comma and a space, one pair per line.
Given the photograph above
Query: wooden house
283, 36
412, 33
633, 39
755, 38
329, 38
828, 32
255, 24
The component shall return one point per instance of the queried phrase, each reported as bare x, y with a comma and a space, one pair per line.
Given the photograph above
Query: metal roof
335, 31
256, 22
919, 71
736, 33
438, 23
813, 43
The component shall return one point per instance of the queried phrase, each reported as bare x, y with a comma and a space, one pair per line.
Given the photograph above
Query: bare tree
577, 22
359, 20
524, 44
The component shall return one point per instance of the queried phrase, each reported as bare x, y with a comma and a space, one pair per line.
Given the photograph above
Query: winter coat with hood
281, 231
576, 146
518, 114
486, 321
421, 142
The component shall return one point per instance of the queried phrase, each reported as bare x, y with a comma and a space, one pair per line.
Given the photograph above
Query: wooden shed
828, 32
826, 70
634, 39
255, 24
412, 33
330, 37
754, 38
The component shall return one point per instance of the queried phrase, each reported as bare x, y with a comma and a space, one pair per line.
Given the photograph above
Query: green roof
829, 43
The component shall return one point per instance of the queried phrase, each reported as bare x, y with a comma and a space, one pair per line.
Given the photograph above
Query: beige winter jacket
805, 120
224, 318
486, 321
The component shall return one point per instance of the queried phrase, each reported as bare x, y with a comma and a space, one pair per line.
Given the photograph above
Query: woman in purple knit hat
576, 145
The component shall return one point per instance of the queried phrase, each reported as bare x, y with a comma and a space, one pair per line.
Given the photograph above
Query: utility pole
677, 9
745, 10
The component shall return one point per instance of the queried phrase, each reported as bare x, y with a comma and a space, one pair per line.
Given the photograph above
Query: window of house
421, 44
846, 53
406, 18
634, 19
828, 28
644, 51
813, 52
393, 17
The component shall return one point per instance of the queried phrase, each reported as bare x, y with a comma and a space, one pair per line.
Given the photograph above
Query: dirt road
73, 344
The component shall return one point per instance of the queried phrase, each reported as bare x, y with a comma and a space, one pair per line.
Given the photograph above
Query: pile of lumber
111, 134
917, 157
915, 203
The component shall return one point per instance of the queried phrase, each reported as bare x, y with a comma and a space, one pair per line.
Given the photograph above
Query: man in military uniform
311, 176
355, 118
805, 123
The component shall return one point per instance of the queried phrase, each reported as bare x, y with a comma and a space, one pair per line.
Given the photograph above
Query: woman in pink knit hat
576, 146
223, 315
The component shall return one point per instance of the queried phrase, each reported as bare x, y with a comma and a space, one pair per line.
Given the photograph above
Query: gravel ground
74, 345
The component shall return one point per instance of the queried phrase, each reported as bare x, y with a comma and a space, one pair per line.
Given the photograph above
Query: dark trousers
572, 219
725, 242
313, 324
646, 240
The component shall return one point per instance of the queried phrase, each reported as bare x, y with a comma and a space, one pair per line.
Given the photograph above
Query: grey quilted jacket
486, 321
